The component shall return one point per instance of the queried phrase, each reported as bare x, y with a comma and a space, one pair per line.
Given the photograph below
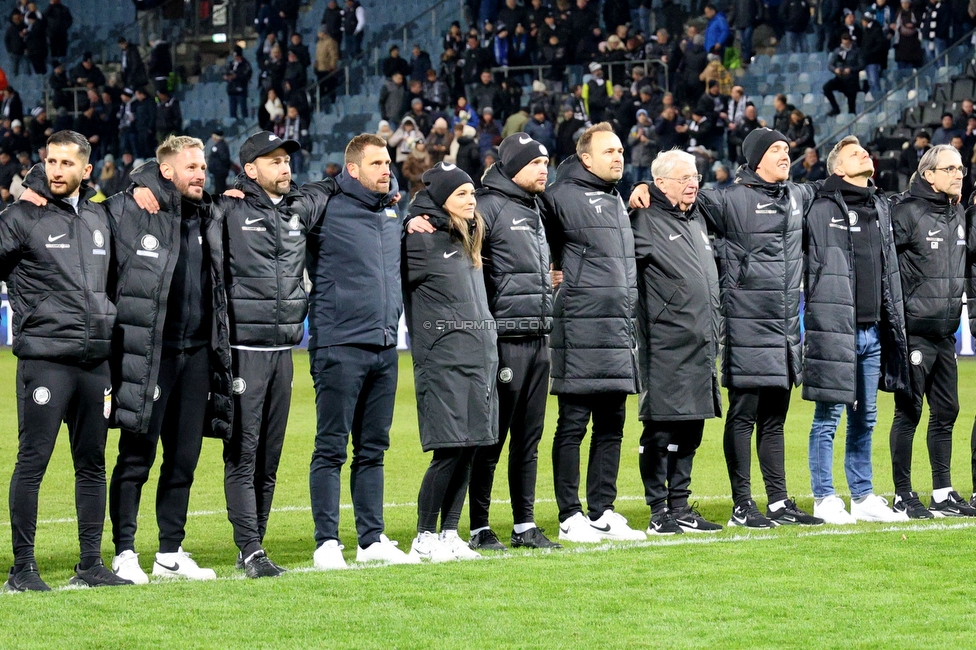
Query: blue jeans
861, 418
745, 37
794, 42
873, 71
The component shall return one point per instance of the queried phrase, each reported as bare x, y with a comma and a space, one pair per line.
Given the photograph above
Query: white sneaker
458, 546
833, 510
180, 565
875, 508
613, 525
329, 556
577, 529
384, 550
428, 546
126, 566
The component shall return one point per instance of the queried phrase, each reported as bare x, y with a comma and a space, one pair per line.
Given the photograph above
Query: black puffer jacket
265, 261
677, 314
57, 266
830, 313
971, 262
516, 257
758, 229
452, 337
594, 335
147, 248
930, 236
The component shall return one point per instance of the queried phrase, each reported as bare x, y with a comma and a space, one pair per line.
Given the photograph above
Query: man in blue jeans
855, 329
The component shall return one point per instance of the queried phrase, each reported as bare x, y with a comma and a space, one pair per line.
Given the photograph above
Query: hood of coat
373, 200
572, 169
37, 181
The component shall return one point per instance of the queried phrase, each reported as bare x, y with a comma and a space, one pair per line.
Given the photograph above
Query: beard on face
70, 184
276, 185
192, 190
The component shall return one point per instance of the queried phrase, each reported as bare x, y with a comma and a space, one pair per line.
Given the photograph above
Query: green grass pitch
906, 585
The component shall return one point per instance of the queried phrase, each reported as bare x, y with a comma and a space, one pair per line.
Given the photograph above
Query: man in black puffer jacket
593, 343
516, 265
854, 329
758, 227
678, 341
57, 263
930, 236
171, 346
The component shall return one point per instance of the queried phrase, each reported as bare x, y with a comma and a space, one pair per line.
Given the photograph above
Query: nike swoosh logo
50, 238
762, 206
108, 391
688, 523
525, 141
836, 220
593, 201
673, 237
248, 222
447, 255
932, 233
604, 529
174, 568
516, 222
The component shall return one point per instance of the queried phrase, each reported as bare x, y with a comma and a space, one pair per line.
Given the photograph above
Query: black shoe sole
536, 546
499, 548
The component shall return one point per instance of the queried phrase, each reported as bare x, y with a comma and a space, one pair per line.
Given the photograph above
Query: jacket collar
747, 176
37, 181
256, 194
495, 179
659, 200
921, 189
572, 169
357, 191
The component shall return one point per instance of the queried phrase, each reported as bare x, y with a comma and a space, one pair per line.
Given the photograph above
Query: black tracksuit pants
47, 394
178, 417
523, 383
262, 399
762, 409
667, 451
443, 488
608, 410
933, 366
355, 392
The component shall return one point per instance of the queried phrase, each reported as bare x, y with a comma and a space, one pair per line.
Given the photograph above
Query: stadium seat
932, 113
963, 89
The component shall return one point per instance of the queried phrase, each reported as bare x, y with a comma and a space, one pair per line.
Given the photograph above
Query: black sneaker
789, 514
908, 503
27, 579
239, 564
747, 515
486, 540
259, 566
97, 576
953, 506
691, 521
663, 523
972, 500
533, 538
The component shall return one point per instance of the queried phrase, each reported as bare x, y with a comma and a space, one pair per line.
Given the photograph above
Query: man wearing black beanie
516, 263
757, 224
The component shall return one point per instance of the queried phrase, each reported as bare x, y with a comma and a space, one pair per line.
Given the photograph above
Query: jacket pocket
579, 268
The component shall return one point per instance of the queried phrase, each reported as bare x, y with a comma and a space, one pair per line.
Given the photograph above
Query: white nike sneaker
180, 565
384, 550
329, 556
126, 566
613, 525
428, 546
875, 508
833, 510
458, 546
577, 529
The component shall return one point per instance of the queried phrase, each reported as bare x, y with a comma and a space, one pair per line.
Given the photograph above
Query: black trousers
523, 383
608, 410
667, 451
262, 399
847, 86
443, 488
355, 391
47, 394
762, 409
178, 421
933, 366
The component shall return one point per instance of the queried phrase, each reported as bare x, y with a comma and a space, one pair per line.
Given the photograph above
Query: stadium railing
537, 71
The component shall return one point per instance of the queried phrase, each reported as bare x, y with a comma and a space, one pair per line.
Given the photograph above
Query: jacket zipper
853, 266
277, 271
84, 278
382, 251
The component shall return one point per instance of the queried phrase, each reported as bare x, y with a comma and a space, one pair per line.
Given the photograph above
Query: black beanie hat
757, 142
442, 179
518, 150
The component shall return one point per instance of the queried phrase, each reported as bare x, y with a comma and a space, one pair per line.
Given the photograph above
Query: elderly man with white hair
677, 316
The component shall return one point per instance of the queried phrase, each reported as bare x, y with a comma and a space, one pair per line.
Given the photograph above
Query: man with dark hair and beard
57, 261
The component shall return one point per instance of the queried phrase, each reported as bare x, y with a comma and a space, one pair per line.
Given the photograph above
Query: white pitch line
413, 504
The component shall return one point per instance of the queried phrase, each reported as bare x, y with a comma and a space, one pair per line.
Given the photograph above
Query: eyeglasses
962, 171
686, 180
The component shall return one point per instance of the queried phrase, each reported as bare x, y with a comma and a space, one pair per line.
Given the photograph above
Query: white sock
521, 528
478, 530
779, 505
941, 494
448, 533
